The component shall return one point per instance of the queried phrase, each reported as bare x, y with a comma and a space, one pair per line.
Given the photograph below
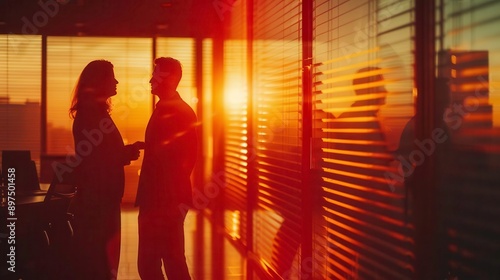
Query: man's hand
132, 151
139, 145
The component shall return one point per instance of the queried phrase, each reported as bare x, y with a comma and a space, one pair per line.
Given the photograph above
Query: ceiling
117, 18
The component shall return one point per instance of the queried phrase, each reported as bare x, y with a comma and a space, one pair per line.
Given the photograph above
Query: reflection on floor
128, 259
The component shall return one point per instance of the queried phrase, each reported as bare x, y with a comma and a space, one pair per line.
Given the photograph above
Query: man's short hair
169, 66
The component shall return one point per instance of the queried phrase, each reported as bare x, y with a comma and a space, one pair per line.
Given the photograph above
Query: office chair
57, 204
56, 224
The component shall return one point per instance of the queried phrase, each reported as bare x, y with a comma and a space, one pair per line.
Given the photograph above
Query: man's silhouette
355, 160
164, 184
356, 134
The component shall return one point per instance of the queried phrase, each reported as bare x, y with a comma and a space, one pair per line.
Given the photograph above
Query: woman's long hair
89, 91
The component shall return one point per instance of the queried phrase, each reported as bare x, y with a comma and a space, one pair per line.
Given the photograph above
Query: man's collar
169, 100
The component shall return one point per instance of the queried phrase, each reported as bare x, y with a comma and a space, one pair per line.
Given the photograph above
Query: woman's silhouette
101, 156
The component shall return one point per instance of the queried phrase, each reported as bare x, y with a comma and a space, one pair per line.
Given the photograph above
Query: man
164, 191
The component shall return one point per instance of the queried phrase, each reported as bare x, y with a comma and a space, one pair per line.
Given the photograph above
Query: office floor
128, 259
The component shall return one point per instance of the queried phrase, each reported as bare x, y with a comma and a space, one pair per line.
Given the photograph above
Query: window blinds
20, 91
236, 152
363, 98
277, 95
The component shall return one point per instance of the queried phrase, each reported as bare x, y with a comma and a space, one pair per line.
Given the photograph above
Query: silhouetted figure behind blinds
100, 175
360, 204
424, 164
164, 194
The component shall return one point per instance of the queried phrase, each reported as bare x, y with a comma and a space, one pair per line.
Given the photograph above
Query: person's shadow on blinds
353, 162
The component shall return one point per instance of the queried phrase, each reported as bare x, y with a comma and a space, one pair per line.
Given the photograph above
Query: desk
30, 208
25, 200
23, 197
30, 234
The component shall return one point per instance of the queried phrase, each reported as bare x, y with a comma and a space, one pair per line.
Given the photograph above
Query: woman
101, 156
